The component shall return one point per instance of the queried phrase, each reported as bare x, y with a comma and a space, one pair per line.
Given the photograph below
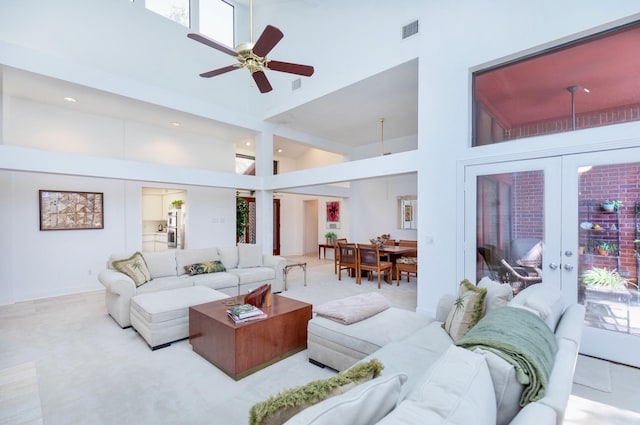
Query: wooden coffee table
242, 349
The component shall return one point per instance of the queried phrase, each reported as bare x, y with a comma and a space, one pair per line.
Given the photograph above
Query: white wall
54, 127
486, 31
374, 207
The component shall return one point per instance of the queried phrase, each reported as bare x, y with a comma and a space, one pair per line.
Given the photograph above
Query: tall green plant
242, 216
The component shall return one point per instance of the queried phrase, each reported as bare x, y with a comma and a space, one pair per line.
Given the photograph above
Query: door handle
568, 267
553, 266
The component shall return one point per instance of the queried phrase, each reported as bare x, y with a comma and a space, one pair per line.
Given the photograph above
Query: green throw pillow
280, 408
135, 267
466, 310
206, 267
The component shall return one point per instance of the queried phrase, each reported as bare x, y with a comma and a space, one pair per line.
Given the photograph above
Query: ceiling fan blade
291, 68
261, 80
267, 41
204, 40
219, 71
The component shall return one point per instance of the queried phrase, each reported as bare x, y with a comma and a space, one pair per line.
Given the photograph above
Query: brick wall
617, 115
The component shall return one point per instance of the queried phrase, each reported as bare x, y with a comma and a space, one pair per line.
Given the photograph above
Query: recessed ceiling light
175, 124
247, 143
70, 99
279, 151
586, 90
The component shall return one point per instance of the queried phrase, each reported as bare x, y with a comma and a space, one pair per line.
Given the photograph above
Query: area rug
593, 373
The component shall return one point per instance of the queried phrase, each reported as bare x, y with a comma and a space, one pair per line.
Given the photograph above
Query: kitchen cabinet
154, 242
152, 208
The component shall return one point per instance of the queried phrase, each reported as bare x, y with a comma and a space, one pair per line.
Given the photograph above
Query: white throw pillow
365, 404
544, 299
498, 294
457, 389
249, 255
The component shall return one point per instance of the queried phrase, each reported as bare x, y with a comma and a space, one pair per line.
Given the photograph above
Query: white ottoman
163, 317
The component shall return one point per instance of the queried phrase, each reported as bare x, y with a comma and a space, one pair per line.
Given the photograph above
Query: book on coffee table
245, 310
237, 319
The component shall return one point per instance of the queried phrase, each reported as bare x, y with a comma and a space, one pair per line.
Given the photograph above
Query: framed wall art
333, 215
63, 210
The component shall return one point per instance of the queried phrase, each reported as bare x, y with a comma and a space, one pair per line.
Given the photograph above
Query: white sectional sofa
442, 383
246, 268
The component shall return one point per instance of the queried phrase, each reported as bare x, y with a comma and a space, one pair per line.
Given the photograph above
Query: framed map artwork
62, 210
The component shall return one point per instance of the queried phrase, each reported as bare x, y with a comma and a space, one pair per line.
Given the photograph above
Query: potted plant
611, 206
607, 248
177, 204
331, 237
601, 283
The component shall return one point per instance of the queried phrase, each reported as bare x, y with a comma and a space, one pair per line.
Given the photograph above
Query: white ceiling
349, 116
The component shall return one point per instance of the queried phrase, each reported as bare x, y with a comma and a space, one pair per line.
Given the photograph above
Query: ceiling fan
253, 56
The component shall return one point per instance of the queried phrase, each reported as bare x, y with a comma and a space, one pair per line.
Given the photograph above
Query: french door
541, 221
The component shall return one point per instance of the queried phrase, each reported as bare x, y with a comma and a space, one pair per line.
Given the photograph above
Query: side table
291, 264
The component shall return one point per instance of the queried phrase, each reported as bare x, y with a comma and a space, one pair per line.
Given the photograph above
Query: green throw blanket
522, 339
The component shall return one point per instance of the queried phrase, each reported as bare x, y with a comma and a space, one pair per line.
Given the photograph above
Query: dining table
395, 251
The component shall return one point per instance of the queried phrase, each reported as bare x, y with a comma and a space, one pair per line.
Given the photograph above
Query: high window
214, 18
176, 10
587, 83
216, 21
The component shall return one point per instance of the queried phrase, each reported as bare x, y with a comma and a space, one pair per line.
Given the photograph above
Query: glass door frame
551, 167
560, 257
614, 346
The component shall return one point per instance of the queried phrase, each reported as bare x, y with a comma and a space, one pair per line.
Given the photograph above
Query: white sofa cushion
186, 257
369, 335
457, 389
363, 405
498, 294
229, 257
506, 387
161, 264
254, 274
544, 299
249, 255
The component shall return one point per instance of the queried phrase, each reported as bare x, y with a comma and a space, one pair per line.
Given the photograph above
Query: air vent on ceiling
410, 29
296, 84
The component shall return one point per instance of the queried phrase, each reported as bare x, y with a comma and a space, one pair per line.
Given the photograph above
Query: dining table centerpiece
380, 240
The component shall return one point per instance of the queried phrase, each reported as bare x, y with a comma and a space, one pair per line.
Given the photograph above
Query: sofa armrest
117, 283
277, 263
120, 290
444, 307
535, 414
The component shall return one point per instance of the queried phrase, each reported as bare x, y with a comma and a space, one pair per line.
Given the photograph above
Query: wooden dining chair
369, 261
388, 242
336, 253
348, 259
408, 263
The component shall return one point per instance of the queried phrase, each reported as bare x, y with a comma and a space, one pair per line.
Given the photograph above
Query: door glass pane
510, 228
609, 243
